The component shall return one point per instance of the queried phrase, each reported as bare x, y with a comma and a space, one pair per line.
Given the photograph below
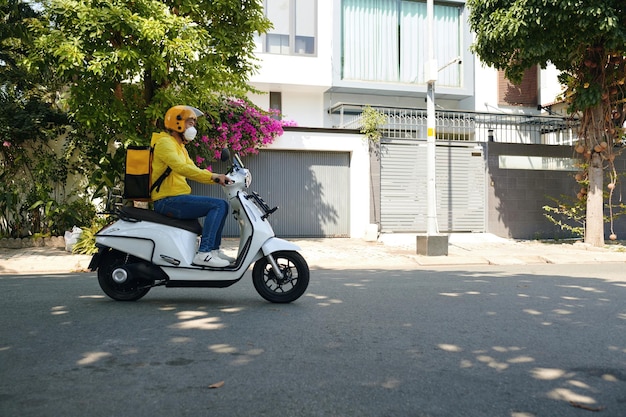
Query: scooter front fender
275, 244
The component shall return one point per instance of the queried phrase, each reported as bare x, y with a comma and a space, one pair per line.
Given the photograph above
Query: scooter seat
135, 214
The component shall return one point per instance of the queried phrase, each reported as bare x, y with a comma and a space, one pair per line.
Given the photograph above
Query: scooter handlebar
228, 181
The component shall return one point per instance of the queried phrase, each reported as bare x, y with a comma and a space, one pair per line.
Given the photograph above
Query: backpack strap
159, 181
157, 184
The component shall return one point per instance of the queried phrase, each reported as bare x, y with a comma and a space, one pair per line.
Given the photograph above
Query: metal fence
451, 125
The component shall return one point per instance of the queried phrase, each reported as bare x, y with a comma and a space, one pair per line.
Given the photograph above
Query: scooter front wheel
291, 286
115, 280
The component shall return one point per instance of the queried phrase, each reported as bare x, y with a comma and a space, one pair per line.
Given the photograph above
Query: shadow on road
481, 342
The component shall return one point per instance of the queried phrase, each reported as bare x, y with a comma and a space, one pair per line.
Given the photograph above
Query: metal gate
460, 185
311, 189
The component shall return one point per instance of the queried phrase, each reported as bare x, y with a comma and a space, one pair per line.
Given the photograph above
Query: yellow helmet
176, 116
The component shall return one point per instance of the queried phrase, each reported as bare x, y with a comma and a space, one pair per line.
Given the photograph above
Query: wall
515, 197
550, 88
298, 70
526, 93
299, 139
305, 108
485, 98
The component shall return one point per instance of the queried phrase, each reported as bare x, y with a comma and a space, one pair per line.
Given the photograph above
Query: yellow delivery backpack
138, 183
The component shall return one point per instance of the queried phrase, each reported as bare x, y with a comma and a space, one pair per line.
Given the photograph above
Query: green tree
125, 62
34, 164
586, 41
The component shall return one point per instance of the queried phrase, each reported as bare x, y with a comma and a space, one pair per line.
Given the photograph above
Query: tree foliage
34, 165
81, 78
126, 62
586, 41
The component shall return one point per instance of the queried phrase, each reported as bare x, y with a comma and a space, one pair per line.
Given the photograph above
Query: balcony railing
452, 125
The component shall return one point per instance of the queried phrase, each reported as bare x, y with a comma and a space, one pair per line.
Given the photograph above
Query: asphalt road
506, 341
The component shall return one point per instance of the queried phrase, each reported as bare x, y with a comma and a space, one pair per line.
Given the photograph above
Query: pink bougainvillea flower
239, 125
6, 144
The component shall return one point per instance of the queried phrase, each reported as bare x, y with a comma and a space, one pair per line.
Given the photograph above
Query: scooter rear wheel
287, 289
117, 282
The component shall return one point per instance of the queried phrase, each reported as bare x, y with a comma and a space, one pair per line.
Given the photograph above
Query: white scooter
144, 249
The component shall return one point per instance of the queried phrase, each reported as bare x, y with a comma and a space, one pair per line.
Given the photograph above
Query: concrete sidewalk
391, 251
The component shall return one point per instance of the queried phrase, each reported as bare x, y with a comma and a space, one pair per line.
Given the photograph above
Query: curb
344, 253
41, 260
29, 242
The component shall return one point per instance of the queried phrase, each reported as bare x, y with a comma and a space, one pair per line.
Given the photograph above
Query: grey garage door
460, 184
311, 189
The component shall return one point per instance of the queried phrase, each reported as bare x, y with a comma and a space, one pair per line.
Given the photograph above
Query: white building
326, 59
372, 52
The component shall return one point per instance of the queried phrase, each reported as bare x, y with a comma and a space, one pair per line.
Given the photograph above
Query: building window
276, 103
386, 40
295, 25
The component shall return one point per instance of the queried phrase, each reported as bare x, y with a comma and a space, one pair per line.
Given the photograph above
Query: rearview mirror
225, 156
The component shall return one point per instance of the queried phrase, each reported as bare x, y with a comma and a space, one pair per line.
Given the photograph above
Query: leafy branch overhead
137, 58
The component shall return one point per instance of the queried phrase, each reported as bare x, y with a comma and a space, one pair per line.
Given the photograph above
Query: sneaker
209, 259
222, 255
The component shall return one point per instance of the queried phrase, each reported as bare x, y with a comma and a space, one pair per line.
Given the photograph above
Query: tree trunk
594, 228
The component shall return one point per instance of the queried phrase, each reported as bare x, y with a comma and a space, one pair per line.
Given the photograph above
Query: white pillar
431, 206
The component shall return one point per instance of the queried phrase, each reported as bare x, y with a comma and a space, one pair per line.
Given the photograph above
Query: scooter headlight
248, 180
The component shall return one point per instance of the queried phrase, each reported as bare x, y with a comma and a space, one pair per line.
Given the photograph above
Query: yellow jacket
169, 153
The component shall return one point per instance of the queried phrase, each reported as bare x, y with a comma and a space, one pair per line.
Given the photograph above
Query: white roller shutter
460, 183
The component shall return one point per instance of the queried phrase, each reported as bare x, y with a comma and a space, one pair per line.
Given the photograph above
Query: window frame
400, 65
292, 36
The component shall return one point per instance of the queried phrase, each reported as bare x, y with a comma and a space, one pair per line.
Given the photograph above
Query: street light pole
432, 243
432, 227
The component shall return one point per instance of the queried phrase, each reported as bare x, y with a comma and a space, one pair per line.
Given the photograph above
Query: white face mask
190, 133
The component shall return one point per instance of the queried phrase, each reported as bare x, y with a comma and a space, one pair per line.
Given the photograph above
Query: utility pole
432, 243
432, 227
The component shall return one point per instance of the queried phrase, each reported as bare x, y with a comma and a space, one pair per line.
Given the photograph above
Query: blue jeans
189, 206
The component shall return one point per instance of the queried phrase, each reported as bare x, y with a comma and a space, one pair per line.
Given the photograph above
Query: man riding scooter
173, 196
142, 249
